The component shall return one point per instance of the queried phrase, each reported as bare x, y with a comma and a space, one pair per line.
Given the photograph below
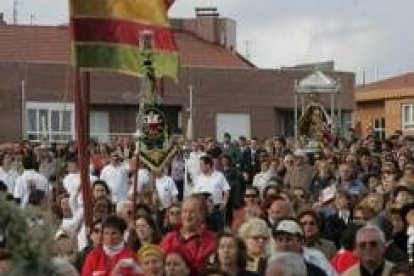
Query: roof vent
206, 12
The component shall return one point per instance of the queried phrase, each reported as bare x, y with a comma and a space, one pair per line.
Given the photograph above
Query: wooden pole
81, 97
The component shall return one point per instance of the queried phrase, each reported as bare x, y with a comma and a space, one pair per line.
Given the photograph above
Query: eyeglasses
250, 195
310, 223
258, 238
366, 244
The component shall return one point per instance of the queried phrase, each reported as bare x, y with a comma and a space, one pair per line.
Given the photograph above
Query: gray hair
253, 226
293, 264
369, 227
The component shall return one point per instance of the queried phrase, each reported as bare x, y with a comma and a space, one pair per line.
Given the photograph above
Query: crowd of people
235, 208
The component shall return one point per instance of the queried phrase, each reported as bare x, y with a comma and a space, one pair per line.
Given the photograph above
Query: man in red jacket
192, 238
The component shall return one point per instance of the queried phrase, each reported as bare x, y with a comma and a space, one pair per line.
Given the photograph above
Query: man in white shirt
116, 175
167, 192
7, 174
213, 182
29, 181
72, 183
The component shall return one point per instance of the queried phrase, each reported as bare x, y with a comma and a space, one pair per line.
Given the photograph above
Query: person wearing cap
302, 172
288, 237
370, 248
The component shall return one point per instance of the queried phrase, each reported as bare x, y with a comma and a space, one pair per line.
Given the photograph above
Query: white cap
288, 226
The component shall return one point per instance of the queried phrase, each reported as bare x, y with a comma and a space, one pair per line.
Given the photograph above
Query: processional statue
315, 127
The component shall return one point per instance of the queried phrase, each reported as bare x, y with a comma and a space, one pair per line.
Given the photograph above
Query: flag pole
81, 99
148, 87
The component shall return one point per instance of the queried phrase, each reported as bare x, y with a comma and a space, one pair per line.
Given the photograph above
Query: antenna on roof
15, 10
32, 19
248, 52
363, 76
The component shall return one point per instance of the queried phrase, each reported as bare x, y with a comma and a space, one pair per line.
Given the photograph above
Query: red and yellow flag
106, 36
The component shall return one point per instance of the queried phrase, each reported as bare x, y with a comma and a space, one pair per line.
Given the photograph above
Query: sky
374, 36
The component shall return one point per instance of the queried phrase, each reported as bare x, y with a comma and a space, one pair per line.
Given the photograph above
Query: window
408, 116
49, 121
379, 128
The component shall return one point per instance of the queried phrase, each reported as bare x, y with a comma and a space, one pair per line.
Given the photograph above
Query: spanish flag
107, 35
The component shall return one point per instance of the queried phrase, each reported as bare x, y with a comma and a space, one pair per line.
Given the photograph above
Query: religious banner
154, 141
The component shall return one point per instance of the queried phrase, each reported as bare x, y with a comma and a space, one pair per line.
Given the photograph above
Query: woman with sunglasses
255, 233
309, 220
230, 255
250, 209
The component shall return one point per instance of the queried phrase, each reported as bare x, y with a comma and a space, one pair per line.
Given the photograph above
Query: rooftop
51, 44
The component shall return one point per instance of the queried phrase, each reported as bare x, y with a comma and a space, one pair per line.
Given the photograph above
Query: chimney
206, 12
2, 21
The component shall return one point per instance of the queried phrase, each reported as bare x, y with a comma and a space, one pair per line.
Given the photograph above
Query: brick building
229, 92
386, 106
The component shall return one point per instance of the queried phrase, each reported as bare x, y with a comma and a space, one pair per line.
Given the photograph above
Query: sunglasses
371, 244
250, 195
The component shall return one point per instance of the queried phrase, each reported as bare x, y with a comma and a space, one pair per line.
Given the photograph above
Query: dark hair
28, 162
133, 241
313, 214
144, 207
402, 268
207, 160
115, 222
3, 187
347, 238
228, 157
241, 249
103, 184
213, 270
153, 225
